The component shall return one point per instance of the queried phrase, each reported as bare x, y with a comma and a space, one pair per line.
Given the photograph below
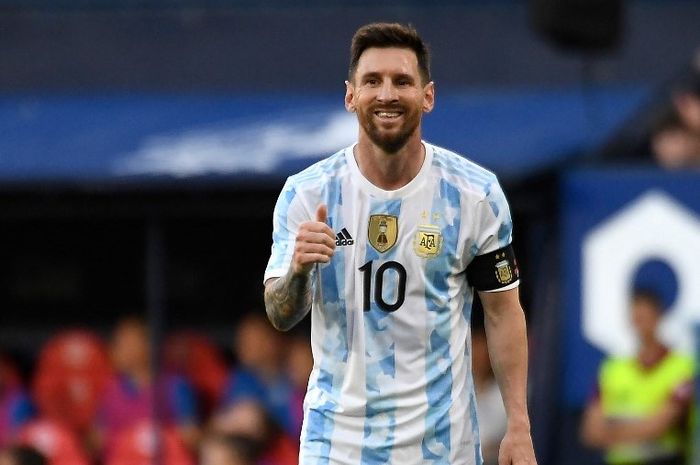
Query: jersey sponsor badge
383, 231
428, 241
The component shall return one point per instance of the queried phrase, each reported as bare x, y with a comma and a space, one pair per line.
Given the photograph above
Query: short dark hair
385, 35
649, 295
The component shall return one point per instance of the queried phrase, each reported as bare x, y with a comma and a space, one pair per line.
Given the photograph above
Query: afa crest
504, 271
428, 241
382, 232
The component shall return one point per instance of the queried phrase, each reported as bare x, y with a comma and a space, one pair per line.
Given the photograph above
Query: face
130, 349
645, 317
215, 453
676, 148
389, 97
6, 459
256, 343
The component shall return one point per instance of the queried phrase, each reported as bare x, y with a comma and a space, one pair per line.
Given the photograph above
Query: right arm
288, 298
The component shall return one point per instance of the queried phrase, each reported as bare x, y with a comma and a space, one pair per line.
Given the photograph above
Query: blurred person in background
15, 406
675, 145
261, 373
675, 142
129, 397
226, 449
21, 455
249, 419
639, 414
489, 403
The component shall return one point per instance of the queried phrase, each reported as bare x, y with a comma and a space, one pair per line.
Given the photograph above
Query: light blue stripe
499, 206
380, 415
436, 443
478, 459
326, 167
332, 278
281, 237
459, 166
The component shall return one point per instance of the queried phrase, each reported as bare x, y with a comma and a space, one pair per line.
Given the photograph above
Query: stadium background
143, 144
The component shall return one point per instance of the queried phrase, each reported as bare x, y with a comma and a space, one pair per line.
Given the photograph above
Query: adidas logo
343, 238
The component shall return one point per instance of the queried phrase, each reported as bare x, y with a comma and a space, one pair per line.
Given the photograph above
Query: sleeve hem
274, 273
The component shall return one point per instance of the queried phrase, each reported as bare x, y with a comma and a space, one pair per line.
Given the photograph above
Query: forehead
391, 60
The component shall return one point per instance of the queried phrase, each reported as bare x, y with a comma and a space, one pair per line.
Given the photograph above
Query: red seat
72, 372
194, 357
58, 443
138, 445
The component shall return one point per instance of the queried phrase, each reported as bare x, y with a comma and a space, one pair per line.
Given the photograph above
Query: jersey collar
404, 191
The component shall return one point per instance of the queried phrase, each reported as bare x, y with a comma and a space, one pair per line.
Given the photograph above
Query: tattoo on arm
288, 300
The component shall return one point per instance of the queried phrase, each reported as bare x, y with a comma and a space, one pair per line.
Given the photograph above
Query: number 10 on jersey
377, 280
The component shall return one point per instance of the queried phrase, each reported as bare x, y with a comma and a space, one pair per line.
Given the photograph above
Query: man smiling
391, 382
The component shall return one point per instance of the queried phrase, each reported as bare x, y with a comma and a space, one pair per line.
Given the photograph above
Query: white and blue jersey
391, 382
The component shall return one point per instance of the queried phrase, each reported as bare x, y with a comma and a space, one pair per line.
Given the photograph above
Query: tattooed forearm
288, 300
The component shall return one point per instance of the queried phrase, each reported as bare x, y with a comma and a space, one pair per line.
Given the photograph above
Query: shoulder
465, 174
613, 366
319, 173
680, 363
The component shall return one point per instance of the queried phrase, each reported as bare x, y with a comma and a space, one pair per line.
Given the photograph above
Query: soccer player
384, 243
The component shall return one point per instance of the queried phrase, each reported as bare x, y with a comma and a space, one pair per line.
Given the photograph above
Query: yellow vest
629, 391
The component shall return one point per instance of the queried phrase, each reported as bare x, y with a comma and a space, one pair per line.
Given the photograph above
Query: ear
349, 97
428, 97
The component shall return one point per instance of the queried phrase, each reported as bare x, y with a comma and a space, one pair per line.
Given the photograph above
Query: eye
372, 82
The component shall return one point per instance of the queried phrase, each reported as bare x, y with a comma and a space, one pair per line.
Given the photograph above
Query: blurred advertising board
623, 229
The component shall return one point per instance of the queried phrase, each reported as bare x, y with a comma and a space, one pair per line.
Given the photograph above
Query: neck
650, 350
389, 171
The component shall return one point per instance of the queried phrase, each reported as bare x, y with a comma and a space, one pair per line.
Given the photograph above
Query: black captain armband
494, 270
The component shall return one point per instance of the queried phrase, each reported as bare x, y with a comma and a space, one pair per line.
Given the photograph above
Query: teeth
387, 114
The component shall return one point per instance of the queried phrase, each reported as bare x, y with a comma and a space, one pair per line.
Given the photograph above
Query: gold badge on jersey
382, 232
504, 272
428, 241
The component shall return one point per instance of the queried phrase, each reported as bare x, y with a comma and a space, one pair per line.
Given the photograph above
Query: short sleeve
289, 213
493, 266
495, 227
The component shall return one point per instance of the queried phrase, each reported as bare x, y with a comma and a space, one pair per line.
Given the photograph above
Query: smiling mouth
388, 114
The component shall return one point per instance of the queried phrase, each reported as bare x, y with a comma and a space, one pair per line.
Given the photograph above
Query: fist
315, 243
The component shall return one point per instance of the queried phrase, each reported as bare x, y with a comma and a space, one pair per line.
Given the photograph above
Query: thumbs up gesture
315, 243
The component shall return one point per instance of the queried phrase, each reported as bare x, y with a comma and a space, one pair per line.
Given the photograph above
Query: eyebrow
374, 74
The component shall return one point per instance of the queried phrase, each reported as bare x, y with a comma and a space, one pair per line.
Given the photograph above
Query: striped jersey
390, 329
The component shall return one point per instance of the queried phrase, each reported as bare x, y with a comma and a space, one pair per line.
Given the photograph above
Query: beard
390, 142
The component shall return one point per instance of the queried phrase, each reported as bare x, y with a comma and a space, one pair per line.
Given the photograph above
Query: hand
315, 243
517, 449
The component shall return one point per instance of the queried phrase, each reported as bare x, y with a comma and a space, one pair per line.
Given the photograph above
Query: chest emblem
382, 232
428, 241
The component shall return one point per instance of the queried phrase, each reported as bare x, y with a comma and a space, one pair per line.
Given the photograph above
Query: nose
387, 93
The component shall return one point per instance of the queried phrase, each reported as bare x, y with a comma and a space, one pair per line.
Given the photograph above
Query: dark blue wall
306, 47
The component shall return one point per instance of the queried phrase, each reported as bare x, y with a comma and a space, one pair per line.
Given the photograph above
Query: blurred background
143, 144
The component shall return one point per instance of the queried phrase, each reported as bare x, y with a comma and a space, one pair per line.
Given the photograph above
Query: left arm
504, 321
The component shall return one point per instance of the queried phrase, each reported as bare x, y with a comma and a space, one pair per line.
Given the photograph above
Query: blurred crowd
675, 136
95, 401
675, 141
